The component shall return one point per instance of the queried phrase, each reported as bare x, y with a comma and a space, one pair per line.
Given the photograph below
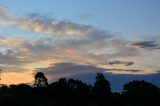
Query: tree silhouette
77, 85
101, 86
140, 88
74, 92
141, 93
40, 80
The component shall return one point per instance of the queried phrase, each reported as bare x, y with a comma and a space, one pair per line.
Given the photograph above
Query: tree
78, 85
101, 86
141, 93
62, 84
141, 88
40, 80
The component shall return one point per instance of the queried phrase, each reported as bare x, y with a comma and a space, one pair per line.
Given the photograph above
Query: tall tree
101, 86
40, 80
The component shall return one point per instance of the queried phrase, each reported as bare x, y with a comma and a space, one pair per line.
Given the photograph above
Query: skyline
74, 38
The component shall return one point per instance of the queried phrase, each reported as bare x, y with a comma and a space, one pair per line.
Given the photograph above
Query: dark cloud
146, 45
158, 71
127, 70
58, 70
69, 69
120, 63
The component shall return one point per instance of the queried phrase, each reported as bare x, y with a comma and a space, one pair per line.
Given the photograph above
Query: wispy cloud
151, 45
120, 63
125, 70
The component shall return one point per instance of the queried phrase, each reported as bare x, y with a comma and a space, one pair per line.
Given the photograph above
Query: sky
73, 38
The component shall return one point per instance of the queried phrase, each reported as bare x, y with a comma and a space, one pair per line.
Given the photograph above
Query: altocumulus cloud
40, 23
87, 44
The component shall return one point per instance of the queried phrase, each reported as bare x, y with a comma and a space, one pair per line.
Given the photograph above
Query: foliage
40, 80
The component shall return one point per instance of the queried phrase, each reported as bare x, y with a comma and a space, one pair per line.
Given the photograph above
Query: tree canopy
40, 80
74, 92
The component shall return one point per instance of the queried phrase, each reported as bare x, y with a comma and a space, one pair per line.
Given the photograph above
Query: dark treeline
71, 92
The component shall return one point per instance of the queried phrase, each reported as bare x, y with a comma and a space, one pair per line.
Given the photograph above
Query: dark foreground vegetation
71, 92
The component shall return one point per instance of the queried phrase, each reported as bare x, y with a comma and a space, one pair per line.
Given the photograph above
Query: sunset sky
69, 38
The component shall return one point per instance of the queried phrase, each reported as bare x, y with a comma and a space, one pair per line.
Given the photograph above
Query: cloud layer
69, 48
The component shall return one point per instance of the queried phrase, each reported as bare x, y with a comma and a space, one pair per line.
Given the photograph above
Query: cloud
120, 63
26, 51
90, 39
158, 71
3, 11
42, 24
68, 69
8, 58
54, 27
18, 51
151, 45
58, 70
125, 70
87, 44
11, 69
